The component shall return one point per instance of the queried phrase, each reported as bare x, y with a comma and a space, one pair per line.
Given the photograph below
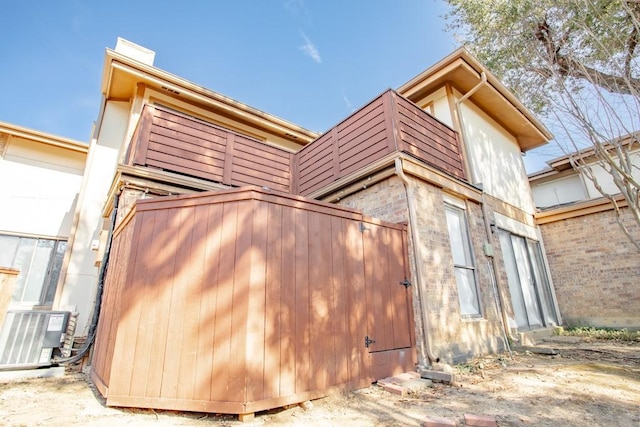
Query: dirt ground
588, 383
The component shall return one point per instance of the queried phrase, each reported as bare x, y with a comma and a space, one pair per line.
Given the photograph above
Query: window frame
459, 209
50, 272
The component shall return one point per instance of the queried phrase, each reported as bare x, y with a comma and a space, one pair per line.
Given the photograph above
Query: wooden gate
388, 299
244, 300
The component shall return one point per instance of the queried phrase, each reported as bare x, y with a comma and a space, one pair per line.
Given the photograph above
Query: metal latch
368, 341
406, 283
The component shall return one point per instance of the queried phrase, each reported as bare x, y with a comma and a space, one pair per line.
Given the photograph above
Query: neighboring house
40, 179
447, 254
595, 268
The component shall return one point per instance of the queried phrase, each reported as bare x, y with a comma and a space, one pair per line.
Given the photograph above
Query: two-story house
245, 262
593, 263
40, 183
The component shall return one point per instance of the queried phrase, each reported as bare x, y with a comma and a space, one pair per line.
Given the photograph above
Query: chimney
134, 51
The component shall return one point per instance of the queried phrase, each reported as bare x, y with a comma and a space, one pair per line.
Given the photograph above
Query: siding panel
387, 124
182, 144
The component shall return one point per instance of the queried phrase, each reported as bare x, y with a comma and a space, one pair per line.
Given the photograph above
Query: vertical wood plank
241, 287
116, 277
302, 361
394, 142
384, 292
335, 153
319, 274
129, 315
368, 238
295, 175
224, 303
180, 220
208, 221
142, 144
288, 312
338, 312
273, 310
144, 278
356, 302
228, 159
190, 296
255, 340
400, 295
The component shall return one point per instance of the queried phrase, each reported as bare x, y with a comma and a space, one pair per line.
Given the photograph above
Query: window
463, 261
531, 295
39, 262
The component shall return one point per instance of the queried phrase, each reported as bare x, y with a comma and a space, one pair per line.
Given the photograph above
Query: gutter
427, 358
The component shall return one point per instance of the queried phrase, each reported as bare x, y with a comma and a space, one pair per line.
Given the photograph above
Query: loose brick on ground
479, 420
433, 421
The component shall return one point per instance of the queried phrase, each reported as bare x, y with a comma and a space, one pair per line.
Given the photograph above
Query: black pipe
93, 327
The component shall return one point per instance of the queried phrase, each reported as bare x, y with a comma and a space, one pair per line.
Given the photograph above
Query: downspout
97, 304
485, 215
427, 357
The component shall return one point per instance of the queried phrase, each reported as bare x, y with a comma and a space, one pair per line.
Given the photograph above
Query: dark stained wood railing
175, 142
389, 123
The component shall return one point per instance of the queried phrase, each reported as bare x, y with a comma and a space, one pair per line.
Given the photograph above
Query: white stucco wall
495, 159
438, 105
39, 185
78, 289
558, 191
604, 178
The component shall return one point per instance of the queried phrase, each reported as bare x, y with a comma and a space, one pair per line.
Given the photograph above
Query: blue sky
311, 62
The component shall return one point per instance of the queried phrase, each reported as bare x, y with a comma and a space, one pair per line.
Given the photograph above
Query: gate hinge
368, 341
406, 283
362, 227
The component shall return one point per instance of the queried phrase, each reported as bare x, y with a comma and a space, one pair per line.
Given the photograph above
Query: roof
122, 74
464, 72
44, 138
563, 163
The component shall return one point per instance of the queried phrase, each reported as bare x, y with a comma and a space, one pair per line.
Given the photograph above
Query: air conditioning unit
28, 338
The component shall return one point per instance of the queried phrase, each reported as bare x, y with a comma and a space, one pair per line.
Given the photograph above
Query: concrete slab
437, 376
32, 373
407, 382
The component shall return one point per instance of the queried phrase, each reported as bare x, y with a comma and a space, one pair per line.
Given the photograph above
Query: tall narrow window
463, 261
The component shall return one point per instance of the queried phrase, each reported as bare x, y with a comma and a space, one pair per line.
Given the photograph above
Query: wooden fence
388, 124
175, 142
244, 300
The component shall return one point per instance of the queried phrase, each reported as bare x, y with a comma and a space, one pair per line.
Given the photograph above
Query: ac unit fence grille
29, 337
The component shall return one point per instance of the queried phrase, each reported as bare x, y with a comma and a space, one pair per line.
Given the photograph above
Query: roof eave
115, 61
461, 59
44, 138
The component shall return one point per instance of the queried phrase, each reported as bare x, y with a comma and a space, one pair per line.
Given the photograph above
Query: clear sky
311, 62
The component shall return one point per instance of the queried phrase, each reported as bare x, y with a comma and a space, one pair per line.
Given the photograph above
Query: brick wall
595, 270
453, 338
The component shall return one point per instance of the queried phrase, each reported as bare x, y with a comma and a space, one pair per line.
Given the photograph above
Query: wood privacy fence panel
386, 125
179, 143
244, 300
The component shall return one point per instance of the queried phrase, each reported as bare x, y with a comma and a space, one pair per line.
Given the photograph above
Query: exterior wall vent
28, 338
134, 51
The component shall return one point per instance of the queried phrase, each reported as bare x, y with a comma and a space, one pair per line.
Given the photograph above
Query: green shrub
601, 333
